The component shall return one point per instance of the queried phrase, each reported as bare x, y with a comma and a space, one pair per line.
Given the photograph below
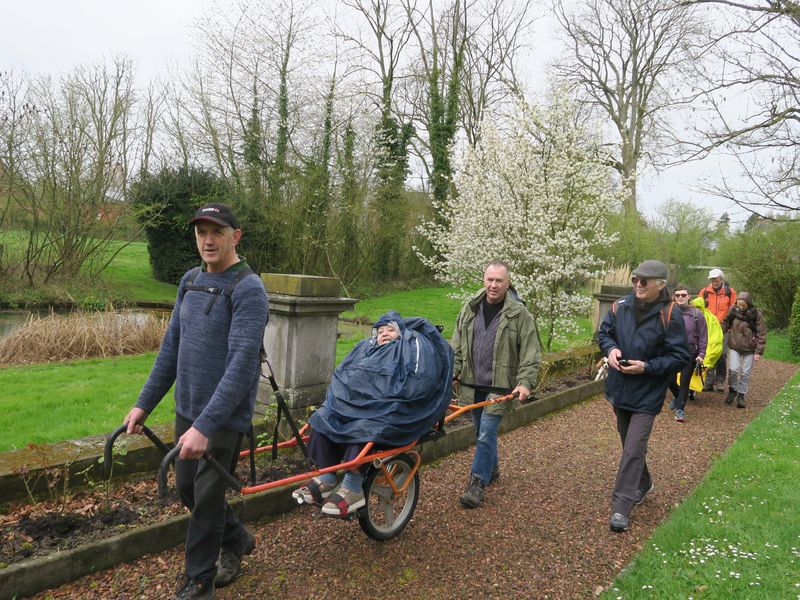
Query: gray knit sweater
213, 359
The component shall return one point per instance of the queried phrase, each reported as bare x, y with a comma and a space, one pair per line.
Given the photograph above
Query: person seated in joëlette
390, 390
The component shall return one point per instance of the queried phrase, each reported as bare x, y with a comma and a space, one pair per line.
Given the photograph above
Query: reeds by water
77, 335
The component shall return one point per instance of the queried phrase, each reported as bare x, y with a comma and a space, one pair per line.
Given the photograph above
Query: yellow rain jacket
714, 346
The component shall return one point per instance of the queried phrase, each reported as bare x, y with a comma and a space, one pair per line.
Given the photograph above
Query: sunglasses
639, 281
681, 295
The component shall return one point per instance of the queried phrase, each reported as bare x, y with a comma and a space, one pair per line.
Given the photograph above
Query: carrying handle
172, 456
107, 454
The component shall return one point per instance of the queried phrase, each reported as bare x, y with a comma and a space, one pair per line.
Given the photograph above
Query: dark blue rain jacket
390, 394
663, 348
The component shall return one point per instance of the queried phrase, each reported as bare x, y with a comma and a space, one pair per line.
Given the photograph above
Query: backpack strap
189, 281
190, 286
243, 272
664, 320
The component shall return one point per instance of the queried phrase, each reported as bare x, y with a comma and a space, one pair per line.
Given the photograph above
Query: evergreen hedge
794, 325
164, 204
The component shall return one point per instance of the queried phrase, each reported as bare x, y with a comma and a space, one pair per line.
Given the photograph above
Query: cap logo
210, 209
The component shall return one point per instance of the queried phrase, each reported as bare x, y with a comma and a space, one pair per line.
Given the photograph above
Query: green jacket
516, 350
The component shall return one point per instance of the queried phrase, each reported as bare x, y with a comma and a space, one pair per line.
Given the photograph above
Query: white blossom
536, 195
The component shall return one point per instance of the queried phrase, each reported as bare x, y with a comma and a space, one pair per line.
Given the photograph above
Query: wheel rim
386, 510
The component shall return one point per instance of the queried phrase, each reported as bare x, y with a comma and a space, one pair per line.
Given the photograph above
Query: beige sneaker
343, 503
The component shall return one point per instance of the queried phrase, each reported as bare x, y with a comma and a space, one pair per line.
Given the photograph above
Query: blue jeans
486, 447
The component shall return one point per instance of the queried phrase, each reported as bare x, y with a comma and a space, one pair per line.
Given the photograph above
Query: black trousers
681, 392
325, 453
634, 432
213, 524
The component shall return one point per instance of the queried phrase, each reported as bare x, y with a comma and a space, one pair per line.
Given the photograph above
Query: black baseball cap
221, 214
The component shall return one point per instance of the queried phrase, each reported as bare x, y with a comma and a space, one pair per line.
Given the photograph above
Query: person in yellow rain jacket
714, 344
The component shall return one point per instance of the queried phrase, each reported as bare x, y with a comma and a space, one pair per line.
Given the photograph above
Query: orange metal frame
365, 456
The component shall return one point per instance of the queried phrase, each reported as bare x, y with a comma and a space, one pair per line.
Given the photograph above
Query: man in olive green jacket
496, 353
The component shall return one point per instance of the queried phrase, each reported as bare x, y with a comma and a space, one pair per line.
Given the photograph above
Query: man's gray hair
497, 263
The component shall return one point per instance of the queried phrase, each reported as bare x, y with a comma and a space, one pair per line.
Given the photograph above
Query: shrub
164, 203
765, 261
794, 325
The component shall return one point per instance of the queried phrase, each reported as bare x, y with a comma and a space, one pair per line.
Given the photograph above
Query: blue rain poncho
390, 394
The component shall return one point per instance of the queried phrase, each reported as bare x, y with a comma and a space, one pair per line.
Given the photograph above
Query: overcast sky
52, 36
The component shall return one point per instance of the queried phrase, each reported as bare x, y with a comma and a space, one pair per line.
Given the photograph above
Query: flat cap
651, 269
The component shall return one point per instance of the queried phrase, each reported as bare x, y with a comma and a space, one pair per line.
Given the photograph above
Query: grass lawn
738, 534
129, 276
128, 279
61, 401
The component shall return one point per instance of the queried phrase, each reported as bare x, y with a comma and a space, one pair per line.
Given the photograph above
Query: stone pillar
300, 338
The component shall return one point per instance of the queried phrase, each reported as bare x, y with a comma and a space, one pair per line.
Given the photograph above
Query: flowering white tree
536, 195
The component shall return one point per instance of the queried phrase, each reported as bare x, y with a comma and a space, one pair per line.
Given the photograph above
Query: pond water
10, 320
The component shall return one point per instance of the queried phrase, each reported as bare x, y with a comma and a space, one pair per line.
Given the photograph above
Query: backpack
189, 286
725, 287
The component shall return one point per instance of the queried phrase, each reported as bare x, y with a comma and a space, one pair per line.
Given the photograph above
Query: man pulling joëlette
211, 352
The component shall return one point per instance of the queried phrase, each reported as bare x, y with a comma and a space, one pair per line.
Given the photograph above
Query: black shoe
195, 590
229, 564
474, 494
731, 396
619, 523
691, 395
740, 401
495, 475
641, 493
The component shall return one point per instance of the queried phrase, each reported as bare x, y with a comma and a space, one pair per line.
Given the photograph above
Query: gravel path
542, 532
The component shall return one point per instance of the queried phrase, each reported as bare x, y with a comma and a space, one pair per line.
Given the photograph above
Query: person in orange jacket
719, 297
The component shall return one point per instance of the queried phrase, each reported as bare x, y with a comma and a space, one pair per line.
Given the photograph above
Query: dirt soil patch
542, 532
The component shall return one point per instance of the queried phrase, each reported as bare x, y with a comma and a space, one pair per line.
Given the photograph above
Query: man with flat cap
645, 343
211, 352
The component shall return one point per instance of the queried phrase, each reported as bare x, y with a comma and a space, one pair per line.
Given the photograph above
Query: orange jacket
718, 301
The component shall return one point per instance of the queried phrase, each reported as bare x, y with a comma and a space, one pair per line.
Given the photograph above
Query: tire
386, 514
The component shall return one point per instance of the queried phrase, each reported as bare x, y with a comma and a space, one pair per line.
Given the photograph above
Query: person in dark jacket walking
645, 343
697, 336
747, 338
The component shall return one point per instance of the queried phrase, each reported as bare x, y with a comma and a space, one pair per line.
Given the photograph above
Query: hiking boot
680, 416
740, 401
313, 492
642, 493
619, 523
195, 590
229, 564
673, 404
495, 474
474, 494
343, 503
719, 386
731, 396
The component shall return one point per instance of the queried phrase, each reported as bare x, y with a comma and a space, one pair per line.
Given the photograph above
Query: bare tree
68, 151
757, 47
495, 38
627, 58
